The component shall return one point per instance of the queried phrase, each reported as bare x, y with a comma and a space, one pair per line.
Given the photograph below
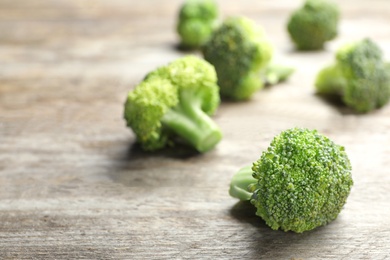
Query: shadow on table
184, 49
173, 166
337, 103
179, 151
245, 212
265, 243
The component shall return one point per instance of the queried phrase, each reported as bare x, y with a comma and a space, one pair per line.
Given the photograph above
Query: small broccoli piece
175, 102
359, 76
238, 50
313, 24
197, 20
299, 183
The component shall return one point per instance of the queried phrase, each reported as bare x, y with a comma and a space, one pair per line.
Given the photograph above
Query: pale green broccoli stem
275, 73
242, 183
331, 81
193, 125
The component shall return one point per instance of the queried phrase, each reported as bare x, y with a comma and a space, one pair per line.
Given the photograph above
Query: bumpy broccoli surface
359, 76
238, 50
197, 20
313, 24
299, 183
173, 103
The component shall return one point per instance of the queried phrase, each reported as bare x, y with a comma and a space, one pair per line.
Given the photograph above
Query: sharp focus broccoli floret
238, 50
314, 24
299, 183
175, 102
359, 76
197, 20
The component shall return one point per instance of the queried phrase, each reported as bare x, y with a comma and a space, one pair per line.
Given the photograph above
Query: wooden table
74, 186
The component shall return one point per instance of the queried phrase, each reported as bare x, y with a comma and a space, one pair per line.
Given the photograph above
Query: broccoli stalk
188, 121
174, 103
275, 73
242, 183
299, 183
330, 81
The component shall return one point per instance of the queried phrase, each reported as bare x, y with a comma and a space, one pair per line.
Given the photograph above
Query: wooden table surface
73, 185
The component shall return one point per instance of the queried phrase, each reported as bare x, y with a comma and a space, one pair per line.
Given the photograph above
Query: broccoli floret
313, 24
197, 20
299, 183
238, 50
359, 76
173, 103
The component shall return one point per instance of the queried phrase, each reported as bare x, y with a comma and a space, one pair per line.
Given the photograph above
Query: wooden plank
73, 185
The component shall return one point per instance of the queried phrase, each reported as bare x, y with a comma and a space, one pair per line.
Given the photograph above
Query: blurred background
73, 185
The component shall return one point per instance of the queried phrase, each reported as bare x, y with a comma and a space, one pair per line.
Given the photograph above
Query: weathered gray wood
73, 186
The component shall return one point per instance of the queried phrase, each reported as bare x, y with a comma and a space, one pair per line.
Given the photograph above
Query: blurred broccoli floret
314, 24
359, 76
175, 102
197, 20
238, 50
299, 183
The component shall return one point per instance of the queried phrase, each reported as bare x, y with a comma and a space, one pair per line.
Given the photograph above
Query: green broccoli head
197, 20
299, 183
144, 108
359, 75
174, 103
238, 50
314, 24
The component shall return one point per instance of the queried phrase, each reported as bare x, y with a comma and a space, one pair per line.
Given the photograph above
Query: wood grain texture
73, 185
